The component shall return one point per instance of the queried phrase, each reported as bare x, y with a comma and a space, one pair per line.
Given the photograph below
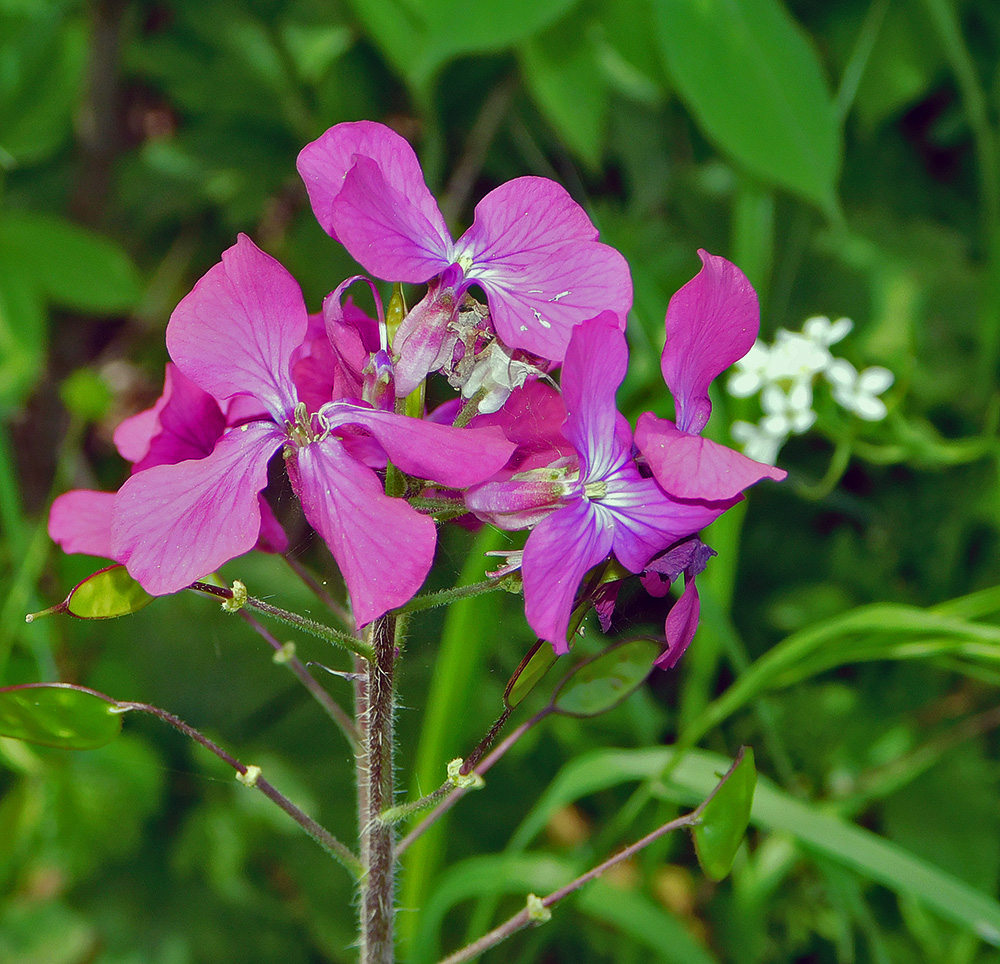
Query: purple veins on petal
711, 322
237, 330
384, 548
174, 524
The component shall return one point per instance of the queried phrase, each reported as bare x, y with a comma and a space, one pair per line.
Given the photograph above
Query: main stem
377, 836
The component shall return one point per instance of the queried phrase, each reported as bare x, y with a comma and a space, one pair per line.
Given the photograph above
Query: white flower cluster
784, 374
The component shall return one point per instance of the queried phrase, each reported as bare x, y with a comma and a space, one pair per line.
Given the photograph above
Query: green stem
327, 633
444, 597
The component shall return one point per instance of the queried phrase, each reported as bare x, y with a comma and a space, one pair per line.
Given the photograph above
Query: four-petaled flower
531, 247
235, 335
598, 505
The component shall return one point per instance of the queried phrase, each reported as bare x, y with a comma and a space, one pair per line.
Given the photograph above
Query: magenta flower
711, 322
598, 505
531, 247
185, 423
235, 335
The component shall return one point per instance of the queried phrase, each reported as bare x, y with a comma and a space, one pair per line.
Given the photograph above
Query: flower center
595, 491
301, 432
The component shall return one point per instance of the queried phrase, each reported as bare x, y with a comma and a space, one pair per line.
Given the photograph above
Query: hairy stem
307, 625
378, 836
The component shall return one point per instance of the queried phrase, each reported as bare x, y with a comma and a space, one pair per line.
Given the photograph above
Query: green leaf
23, 335
58, 714
40, 86
816, 829
107, 594
724, 820
534, 666
751, 78
564, 76
632, 913
72, 266
457, 27
603, 682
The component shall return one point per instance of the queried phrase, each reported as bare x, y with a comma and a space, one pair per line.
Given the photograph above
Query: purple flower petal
80, 521
132, 436
711, 322
174, 524
524, 215
535, 253
236, 331
692, 467
190, 423
595, 366
537, 298
532, 417
452, 456
682, 622
325, 163
647, 520
383, 547
557, 555
385, 232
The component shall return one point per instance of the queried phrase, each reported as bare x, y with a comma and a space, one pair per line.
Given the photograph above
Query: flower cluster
254, 378
785, 372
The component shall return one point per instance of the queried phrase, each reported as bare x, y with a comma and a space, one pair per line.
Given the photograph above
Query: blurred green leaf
692, 778
41, 81
45, 933
724, 820
23, 332
86, 395
58, 714
73, 266
601, 683
562, 71
752, 79
632, 913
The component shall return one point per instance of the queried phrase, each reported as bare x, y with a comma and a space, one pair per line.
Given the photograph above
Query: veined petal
537, 296
236, 331
383, 547
647, 520
557, 555
384, 231
190, 423
692, 467
527, 214
595, 366
711, 322
80, 521
325, 162
441, 453
174, 524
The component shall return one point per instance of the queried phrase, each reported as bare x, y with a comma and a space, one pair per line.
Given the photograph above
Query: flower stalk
377, 835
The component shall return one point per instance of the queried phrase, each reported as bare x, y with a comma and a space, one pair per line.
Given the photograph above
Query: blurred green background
845, 155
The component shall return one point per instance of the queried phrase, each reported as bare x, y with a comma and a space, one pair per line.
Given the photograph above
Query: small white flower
858, 392
788, 411
750, 372
825, 332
